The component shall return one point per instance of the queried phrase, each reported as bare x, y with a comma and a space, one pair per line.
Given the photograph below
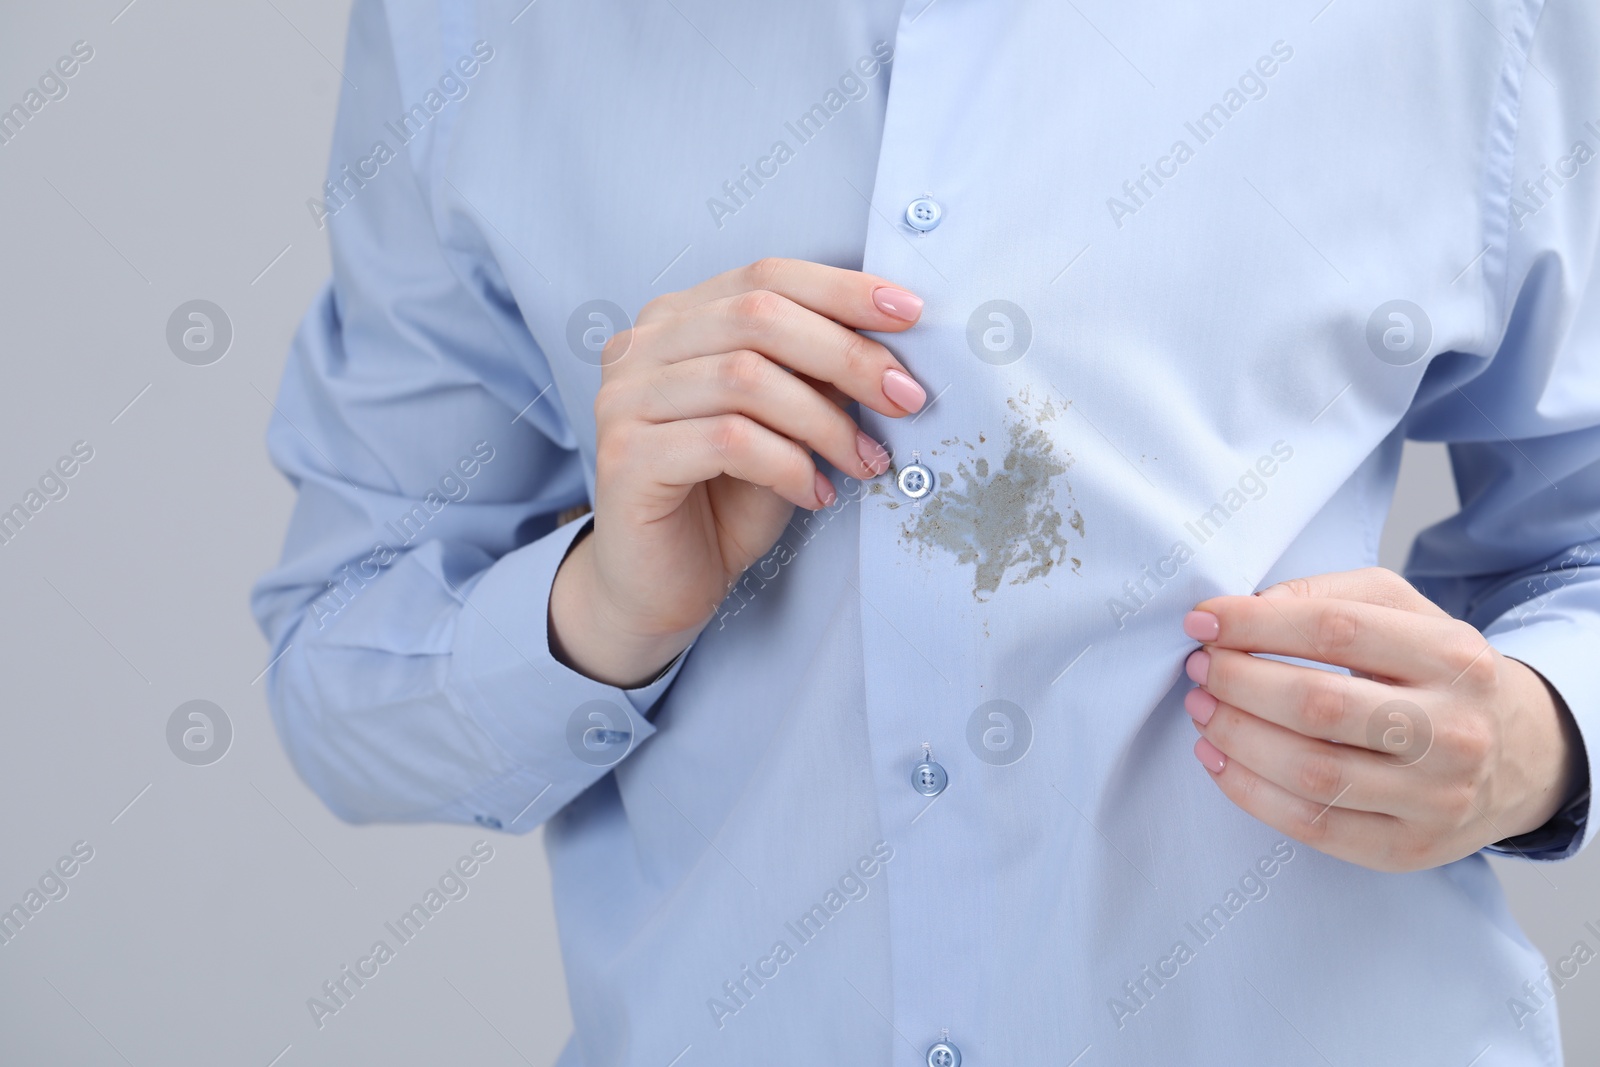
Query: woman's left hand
1434, 746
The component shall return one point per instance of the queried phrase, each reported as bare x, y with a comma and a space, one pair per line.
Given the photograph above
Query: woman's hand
708, 413
1435, 746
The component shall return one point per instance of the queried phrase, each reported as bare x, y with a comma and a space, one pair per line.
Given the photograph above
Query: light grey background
221, 897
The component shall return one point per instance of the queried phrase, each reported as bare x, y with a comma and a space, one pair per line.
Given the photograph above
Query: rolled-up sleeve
411, 676
1521, 560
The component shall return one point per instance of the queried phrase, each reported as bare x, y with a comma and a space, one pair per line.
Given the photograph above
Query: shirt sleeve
411, 676
1521, 561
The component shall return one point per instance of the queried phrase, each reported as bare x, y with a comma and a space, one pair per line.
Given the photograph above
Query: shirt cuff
563, 729
1558, 640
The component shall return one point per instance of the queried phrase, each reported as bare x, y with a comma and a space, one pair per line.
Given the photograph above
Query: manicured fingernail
897, 302
1198, 666
825, 492
871, 453
903, 390
1201, 625
1210, 756
1200, 705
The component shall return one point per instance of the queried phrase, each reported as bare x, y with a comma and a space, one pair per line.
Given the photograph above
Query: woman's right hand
704, 448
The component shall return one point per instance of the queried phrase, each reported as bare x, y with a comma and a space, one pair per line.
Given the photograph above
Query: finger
850, 297
1340, 776
1356, 836
748, 383
792, 335
1369, 585
690, 451
827, 389
1321, 704
1375, 640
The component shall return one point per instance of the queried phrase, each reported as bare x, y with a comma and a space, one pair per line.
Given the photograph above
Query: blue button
928, 778
923, 214
943, 1054
915, 480
487, 820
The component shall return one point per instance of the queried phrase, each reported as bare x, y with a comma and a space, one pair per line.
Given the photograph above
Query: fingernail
1201, 625
897, 302
1200, 705
1279, 590
871, 453
903, 390
1198, 666
825, 492
1210, 756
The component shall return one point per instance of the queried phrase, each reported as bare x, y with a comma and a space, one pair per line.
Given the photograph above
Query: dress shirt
1192, 274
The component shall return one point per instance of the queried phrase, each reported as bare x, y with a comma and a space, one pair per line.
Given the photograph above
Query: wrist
1558, 750
587, 635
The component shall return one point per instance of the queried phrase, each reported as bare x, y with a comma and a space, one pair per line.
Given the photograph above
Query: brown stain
1006, 521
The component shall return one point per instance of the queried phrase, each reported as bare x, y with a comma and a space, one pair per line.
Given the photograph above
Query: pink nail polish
1202, 625
1200, 705
1198, 666
871, 453
825, 493
901, 388
897, 302
1210, 756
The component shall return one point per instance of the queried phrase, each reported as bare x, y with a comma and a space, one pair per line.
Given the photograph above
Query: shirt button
487, 820
914, 479
923, 214
927, 777
943, 1054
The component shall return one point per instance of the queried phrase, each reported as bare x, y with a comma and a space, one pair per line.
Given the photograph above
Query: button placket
928, 998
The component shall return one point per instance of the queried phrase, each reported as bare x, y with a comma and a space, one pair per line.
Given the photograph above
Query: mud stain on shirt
1007, 521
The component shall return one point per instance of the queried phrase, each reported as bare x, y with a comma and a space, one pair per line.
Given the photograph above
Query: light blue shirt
1240, 253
